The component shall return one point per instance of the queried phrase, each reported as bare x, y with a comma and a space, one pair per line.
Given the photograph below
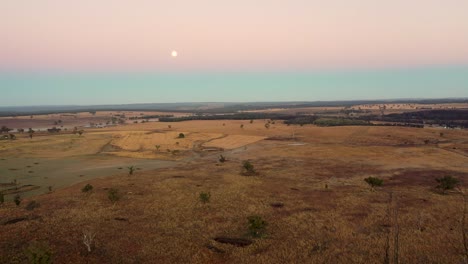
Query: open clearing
309, 189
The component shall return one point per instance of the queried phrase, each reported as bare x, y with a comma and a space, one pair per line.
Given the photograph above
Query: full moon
174, 53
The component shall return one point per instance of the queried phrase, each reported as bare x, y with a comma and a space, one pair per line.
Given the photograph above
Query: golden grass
330, 215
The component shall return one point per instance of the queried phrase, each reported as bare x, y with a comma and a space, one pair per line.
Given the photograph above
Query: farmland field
309, 187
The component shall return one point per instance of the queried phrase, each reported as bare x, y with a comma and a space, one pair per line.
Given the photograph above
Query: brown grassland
309, 188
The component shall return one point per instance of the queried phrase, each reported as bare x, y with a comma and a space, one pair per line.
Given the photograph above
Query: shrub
257, 225
113, 195
39, 253
17, 199
248, 168
32, 205
205, 197
181, 135
222, 159
374, 181
447, 183
131, 170
88, 187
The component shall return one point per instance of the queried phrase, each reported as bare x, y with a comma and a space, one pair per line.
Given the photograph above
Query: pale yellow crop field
233, 141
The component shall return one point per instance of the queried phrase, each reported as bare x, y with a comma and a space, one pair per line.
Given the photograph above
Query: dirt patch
24, 188
426, 178
20, 219
277, 205
238, 242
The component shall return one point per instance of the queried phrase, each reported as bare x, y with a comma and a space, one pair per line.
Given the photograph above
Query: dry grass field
309, 189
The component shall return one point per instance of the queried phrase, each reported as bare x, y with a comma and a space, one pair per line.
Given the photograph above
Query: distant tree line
239, 116
150, 117
449, 118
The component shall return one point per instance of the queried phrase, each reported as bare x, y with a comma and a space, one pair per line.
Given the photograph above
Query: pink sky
238, 35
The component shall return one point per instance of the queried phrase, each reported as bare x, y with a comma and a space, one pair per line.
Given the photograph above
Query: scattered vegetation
256, 225
87, 188
222, 159
32, 205
17, 199
374, 182
131, 170
205, 197
181, 135
88, 238
248, 168
157, 147
113, 195
39, 253
447, 183
325, 122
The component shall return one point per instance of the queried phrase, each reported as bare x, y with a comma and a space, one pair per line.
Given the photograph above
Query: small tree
242, 126
32, 205
87, 188
205, 197
39, 253
157, 147
373, 182
222, 159
5, 129
80, 132
447, 183
256, 225
181, 135
17, 199
113, 195
131, 170
248, 168
88, 238
267, 125
251, 121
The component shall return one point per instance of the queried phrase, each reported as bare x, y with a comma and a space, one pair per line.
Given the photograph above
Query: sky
119, 51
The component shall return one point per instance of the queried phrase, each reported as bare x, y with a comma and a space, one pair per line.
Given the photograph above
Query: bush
205, 197
248, 168
131, 170
113, 195
447, 183
222, 159
32, 205
17, 200
39, 253
257, 225
88, 187
181, 135
374, 181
